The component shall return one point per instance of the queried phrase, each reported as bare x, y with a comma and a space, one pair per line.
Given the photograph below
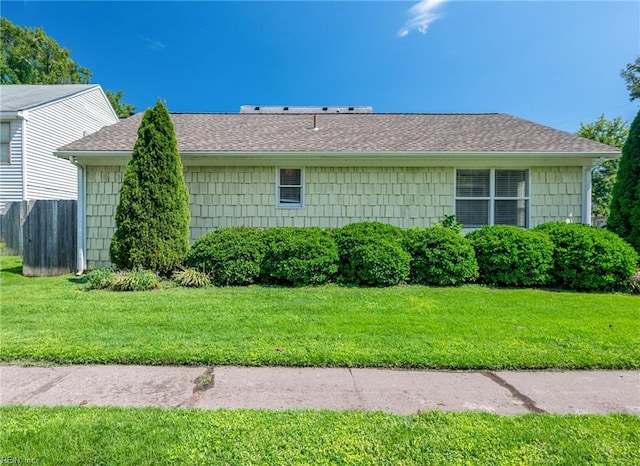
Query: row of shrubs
568, 256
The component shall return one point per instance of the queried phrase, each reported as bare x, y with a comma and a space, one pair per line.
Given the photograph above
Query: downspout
81, 227
23, 116
587, 189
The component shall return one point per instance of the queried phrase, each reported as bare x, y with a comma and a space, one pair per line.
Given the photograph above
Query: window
289, 190
5, 139
492, 197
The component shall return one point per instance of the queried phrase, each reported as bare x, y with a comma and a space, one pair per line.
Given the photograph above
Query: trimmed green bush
299, 256
231, 256
440, 257
357, 246
512, 256
378, 263
588, 258
152, 218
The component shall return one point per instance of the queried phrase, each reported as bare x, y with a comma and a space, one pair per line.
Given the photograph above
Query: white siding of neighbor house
334, 196
52, 126
11, 173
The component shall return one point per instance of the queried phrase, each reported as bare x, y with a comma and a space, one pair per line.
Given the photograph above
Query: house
326, 166
37, 119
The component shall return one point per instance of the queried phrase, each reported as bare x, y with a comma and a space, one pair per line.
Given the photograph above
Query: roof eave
246, 158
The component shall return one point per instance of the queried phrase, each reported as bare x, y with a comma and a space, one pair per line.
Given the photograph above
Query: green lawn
52, 320
77, 435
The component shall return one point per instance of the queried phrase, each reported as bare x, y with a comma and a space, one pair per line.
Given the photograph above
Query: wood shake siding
11, 173
334, 196
49, 177
556, 194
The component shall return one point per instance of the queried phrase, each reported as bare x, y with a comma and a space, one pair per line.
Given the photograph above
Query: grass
51, 320
82, 435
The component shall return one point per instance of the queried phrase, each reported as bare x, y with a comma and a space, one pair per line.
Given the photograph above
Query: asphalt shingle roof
16, 97
350, 133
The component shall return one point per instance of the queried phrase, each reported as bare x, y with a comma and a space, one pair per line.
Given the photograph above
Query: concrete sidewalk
397, 391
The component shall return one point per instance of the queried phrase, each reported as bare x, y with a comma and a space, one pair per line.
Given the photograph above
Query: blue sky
554, 62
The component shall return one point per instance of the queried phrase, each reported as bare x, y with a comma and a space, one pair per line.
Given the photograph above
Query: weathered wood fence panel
11, 221
48, 236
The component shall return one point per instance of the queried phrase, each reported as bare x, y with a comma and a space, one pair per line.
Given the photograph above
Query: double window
492, 197
290, 187
5, 142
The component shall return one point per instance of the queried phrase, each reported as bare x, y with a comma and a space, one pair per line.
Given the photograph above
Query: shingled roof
348, 133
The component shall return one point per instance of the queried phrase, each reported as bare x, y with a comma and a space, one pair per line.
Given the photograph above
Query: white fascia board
14, 115
111, 158
352, 158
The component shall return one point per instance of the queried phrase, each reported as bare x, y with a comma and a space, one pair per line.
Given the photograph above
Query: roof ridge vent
303, 109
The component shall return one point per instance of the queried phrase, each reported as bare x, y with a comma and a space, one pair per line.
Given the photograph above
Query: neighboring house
37, 119
291, 166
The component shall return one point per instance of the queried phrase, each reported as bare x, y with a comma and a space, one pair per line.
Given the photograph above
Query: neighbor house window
289, 189
492, 197
5, 139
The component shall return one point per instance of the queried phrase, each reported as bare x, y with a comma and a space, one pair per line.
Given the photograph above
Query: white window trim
8, 143
287, 205
492, 197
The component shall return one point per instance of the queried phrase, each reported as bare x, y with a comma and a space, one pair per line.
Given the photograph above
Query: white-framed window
290, 188
492, 197
5, 142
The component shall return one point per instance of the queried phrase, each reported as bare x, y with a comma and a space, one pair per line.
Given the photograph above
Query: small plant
191, 278
99, 279
135, 280
450, 223
634, 283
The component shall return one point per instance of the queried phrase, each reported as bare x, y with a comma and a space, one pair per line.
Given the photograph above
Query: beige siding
226, 196
11, 173
51, 127
556, 195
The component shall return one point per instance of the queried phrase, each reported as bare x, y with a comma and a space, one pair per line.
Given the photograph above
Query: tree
625, 205
29, 56
614, 133
122, 110
631, 74
152, 218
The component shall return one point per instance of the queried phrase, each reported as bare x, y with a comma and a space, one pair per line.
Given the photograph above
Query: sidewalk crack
358, 391
44, 387
529, 403
202, 383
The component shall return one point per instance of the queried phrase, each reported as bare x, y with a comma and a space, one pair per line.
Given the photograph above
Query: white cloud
422, 15
153, 44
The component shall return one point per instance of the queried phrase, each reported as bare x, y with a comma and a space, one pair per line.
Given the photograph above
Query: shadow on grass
13, 270
78, 280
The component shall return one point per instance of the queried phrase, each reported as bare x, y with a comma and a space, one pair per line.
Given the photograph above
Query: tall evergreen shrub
152, 218
625, 203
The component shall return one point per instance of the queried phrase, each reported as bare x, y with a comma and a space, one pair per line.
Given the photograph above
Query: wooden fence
44, 232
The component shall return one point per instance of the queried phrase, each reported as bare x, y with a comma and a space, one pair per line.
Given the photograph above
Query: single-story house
35, 120
329, 166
